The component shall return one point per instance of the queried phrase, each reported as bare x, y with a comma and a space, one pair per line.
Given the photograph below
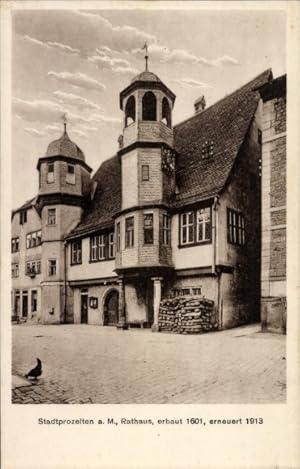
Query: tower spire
64, 119
146, 56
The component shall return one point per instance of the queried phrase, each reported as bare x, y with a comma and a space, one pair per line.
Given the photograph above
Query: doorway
84, 308
25, 304
111, 304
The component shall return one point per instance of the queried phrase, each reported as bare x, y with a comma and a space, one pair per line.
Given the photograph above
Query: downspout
214, 233
65, 282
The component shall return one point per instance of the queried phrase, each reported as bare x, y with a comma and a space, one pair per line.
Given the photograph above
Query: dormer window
130, 111
50, 172
23, 217
166, 112
149, 107
70, 177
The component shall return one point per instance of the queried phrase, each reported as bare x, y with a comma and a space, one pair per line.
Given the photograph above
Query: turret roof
65, 147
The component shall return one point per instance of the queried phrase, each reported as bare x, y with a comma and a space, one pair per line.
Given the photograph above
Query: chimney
199, 104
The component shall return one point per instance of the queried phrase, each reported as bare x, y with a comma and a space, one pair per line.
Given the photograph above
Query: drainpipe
214, 233
65, 282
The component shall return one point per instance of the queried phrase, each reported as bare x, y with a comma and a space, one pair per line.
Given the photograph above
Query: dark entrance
84, 308
111, 305
25, 304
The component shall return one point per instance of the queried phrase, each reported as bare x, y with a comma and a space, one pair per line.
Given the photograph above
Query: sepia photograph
148, 221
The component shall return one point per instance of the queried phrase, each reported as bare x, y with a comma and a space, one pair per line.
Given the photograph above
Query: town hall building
176, 212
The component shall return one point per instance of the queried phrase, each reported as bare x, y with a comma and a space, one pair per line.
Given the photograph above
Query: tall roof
107, 198
65, 147
220, 128
208, 143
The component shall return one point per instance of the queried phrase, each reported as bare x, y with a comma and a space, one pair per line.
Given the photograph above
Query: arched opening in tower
166, 112
149, 107
130, 111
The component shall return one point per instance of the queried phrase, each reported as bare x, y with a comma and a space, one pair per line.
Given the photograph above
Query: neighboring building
273, 267
175, 212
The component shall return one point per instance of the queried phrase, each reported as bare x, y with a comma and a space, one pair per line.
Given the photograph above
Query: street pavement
93, 364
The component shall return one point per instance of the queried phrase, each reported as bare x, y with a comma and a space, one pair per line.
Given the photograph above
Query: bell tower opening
130, 111
149, 107
166, 112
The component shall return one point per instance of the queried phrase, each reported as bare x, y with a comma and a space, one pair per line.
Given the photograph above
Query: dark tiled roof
146, 76
65, 147
225, 124
27, 204
107, 199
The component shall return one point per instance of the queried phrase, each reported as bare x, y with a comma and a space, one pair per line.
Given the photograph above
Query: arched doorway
110, 308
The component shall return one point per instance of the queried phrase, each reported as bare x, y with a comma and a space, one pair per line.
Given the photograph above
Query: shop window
149, 107
166, 112
129, 232
130, 111
50, 172
148, 228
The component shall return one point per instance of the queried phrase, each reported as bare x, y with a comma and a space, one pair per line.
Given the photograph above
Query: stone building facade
273, 266
175, 212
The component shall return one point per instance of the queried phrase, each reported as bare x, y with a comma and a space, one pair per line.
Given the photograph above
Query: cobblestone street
92, 364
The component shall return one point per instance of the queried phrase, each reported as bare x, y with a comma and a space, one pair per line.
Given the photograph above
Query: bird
35, 372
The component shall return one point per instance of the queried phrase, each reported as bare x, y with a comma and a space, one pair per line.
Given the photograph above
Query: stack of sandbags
187, 315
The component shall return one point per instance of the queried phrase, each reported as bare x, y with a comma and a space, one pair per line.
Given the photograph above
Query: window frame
191, 228
101, 247
30, 237
129, 233
236, 229
166, 230
111, 245
49, 267
118, 237
33, 266
71, 176
23, 217
15, 244
145, 172
15, 270
34, 300
50, 180
148, 229
76, 254
48, 217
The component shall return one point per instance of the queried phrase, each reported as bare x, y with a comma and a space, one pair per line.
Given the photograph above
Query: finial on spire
64, 119
146, 56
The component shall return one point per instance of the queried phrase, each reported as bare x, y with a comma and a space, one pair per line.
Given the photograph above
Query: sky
77, 62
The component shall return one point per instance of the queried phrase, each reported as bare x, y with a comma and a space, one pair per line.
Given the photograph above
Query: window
118, 237
166, 112
129, 232
51, 267
51, 216
50, 172
148, 228
76, 252
70, 177
130, 111
23, 217
187, 228
203, 225
149, 107
111, 246
166, 230
195, 226
102, 247
33, 268
235, 227
187, 291
33, 239
15, 244
17, 302
33, 301
15, 270
145, 172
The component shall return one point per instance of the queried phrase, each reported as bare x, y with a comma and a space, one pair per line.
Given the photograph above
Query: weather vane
64, 119
146, 56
